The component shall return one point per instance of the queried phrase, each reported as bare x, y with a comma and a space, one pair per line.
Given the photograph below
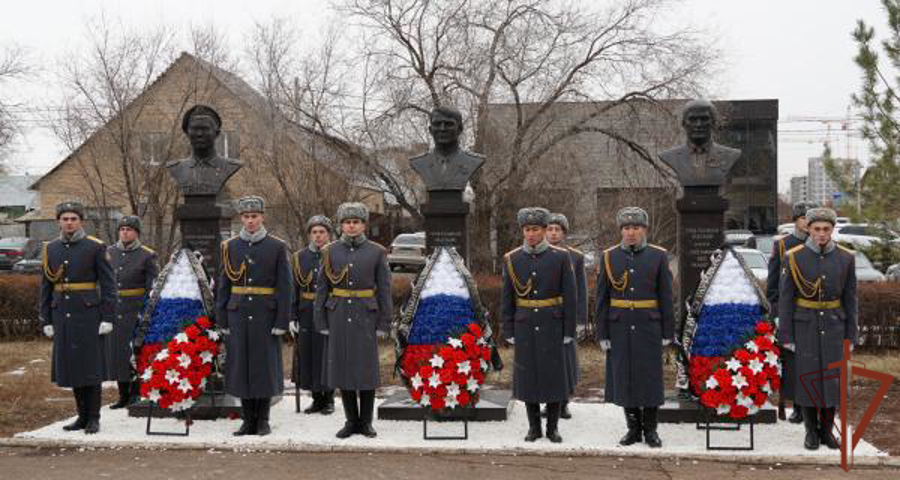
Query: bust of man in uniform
700, 162
447, 167
205, 172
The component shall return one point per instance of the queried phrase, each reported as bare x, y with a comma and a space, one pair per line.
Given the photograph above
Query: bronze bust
700, 162
447, 167
205, 172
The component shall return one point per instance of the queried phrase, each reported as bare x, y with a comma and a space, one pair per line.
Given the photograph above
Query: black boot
327, 402
633, 419
124, 395
248, 418
316, 406
796, 415
648, 423
366, 413
534, 421
351, 414
92, 407
263, 406
811, 423
553, 410
81, 419
826, 430
564, 412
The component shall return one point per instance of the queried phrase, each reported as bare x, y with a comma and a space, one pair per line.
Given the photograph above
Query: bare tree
106, 102
13, 66
533, 54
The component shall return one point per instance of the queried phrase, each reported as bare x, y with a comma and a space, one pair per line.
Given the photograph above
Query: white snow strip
445, 279
595, 430
17, 372
731, 285
181, 282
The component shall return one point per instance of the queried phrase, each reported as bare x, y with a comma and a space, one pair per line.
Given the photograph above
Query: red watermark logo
850, 435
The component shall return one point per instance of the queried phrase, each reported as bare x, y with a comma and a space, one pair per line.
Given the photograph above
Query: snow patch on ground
594, 430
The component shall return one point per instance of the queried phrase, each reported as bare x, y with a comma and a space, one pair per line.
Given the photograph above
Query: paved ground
50, 464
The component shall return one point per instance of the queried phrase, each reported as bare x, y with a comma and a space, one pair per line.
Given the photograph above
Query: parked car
863, 234
33, 262
786, 229
765, 244
736, 237
13, 249
756, 261
865, 272
407, 251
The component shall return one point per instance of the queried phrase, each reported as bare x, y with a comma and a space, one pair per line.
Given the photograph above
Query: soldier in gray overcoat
254, 298
635, 320
76, 304
817, 306
353, 307
135, 267
782, 245
538, 311
557, 231
309, 351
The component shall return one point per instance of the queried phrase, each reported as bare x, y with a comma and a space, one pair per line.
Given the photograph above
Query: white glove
380, 334
225, 331
790, 346
852, 346
605, 345
105, 328
48, 331
511, 341
278, 332
294, 327
567, 340
324, 332
666, 342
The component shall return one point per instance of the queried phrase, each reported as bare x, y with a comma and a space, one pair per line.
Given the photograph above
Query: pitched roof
243, 92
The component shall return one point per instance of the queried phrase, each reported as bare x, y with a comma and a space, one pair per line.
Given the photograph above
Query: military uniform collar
312, 247
255, 237
537, 249
802, 236
130, 247
700, 149
203, 162
355, 242
810, 244
636, 248
75, 237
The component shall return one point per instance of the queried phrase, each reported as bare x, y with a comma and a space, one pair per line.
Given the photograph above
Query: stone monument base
493, 406
690, 411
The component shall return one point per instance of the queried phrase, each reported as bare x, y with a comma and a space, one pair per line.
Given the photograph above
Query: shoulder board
509, 253
848, 250
421, 155
233, 161
573, 249
148, 249
611, 248
795, 249
657, 247
561, 249
380, 246
171, 163
473, 154
276, 238
94, 239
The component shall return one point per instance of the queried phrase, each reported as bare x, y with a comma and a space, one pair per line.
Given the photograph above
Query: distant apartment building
821, 187
799, 192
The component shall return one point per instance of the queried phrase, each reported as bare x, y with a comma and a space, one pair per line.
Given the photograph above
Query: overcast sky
797, 51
